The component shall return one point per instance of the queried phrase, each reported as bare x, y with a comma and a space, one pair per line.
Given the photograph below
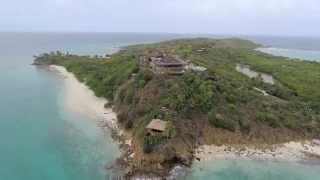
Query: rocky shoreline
302, 151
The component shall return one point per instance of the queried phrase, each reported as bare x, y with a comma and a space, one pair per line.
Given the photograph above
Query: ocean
309, 55
42, 140
302, 48
253, 170
39, 138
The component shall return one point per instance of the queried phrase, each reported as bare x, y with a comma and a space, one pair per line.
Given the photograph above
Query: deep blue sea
41, 140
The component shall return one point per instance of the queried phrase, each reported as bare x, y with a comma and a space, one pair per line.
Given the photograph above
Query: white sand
292, 151
79, 98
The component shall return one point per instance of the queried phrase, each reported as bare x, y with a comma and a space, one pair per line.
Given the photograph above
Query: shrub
244, 125
190, 93
272, 120
136, 69
260, 116
220, 122
231, 98
279, 91
122, 117
143, 78
171, 130
269, 118
129, 124
121, 94
149, 142
141, 83
130, 95
232, 107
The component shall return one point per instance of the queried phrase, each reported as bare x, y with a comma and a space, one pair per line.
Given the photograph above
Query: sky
246, 17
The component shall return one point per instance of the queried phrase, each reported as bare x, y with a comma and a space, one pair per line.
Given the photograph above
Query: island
173, 98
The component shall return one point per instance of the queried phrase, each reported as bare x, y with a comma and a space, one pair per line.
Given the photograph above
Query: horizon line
165, 33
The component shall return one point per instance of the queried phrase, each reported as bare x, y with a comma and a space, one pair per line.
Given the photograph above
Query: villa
167, 65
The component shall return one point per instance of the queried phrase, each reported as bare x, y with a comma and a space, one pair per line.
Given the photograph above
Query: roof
157, 124
167, 61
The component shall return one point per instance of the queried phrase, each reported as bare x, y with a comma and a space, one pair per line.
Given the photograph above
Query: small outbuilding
156, 126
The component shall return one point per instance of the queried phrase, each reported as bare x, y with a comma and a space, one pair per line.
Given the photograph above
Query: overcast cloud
268, 17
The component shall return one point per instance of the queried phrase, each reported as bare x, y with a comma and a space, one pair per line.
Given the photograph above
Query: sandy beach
79, 98
292, 151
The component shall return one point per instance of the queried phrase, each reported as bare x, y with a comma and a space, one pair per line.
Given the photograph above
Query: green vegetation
301, 77
150, 142
103, 76
191, 93
219, 121
197, 102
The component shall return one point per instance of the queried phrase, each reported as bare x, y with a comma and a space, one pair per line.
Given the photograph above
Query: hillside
208, 103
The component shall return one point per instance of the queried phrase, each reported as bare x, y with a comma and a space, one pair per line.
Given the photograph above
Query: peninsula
174, 97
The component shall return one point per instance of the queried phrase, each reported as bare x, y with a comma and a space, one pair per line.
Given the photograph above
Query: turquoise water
311, 55
40, 140
254, 170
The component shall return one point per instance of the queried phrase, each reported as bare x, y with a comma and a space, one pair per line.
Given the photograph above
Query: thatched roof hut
157, 125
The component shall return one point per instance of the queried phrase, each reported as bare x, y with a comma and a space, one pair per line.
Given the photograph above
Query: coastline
77, 92
302, 151
296, 54
94, 107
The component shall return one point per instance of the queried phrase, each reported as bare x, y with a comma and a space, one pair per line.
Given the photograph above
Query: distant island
173, 97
